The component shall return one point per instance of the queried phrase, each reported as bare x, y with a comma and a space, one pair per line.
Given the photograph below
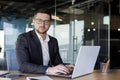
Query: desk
96, 75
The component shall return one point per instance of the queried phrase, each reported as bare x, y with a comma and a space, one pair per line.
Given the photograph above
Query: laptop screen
86, 59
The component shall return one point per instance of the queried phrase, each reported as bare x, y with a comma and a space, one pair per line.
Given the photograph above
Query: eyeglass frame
40, 21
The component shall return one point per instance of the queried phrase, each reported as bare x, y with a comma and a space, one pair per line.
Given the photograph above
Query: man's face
41, 22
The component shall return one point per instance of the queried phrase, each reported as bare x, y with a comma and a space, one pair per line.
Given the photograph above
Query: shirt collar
47, 37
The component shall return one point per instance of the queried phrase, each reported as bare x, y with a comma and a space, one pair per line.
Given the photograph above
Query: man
38, 52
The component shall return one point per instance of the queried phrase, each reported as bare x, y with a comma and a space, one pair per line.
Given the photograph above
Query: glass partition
10, 29
83, 23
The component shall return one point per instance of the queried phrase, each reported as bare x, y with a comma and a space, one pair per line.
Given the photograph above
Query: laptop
85, 62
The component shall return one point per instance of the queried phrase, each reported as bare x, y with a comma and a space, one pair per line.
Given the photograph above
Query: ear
33, 22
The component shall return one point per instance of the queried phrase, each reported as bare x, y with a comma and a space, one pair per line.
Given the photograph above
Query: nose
42, 23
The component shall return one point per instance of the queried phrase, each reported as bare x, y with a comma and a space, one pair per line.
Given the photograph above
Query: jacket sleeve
58, 59
54, 52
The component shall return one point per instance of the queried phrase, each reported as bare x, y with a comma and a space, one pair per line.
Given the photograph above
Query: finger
72, 66
64, 69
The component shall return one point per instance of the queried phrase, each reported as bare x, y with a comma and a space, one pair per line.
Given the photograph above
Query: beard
44, 32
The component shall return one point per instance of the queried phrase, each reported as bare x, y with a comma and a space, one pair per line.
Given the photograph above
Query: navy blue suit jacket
29, 53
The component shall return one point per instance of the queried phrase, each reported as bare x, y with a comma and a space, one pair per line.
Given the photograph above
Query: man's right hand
58, 69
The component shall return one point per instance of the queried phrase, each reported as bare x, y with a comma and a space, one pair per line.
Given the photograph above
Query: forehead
42, 16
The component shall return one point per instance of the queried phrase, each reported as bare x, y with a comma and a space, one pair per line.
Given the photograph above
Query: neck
43, 36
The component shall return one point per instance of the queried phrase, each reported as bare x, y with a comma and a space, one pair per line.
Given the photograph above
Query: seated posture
38, 52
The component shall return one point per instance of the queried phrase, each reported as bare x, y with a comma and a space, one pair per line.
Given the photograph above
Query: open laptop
85, 62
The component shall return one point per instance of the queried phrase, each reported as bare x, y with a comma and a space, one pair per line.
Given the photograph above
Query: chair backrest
11, 60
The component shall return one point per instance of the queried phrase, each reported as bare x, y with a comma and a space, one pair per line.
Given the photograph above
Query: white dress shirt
45, 49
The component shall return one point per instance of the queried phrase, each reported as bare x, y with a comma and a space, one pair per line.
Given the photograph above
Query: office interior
74, 23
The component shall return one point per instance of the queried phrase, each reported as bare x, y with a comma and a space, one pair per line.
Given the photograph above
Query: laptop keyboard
63, 74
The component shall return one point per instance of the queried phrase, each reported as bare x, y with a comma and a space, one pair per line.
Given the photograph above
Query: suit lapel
50, 45
38, 44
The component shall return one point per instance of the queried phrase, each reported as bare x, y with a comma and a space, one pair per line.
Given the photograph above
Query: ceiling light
88, 30
92, 23
94, 29
118, 29
56, 18
75, 20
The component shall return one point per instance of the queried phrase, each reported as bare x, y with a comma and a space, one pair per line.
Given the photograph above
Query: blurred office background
74, 23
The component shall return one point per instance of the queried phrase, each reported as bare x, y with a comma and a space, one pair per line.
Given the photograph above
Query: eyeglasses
40, 21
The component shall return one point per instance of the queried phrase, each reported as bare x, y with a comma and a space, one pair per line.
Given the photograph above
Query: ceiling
26, 8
